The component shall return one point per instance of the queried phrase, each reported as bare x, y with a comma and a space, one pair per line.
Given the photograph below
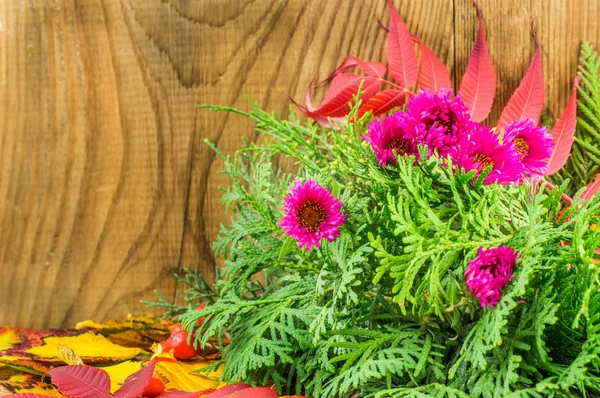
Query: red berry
154, 388
176, 329
181, 348
201, 307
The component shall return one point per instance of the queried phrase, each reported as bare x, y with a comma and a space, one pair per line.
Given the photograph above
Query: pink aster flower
438, 120
311, 214
489, 272
480, 148
534, 145
389, 136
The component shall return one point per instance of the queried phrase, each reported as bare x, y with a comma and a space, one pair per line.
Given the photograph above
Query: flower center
399, 145
446, 123
483, 160
521, 145
310, 215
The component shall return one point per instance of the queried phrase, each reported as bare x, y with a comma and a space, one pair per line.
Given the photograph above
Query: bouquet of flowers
414, 251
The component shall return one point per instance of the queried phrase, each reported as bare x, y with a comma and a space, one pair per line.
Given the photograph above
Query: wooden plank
106, 187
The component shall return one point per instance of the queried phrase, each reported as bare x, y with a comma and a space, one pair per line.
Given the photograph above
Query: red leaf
478, 84
383, 102
402, 58
81, 381
563, 133
339, 103
528, 99
370, 68
590, 190
228, 390
260, 392
185, 394
339, 97
136, 383
26, 396
433, 74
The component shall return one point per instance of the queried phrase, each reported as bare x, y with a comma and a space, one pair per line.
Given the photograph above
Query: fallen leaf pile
112, 359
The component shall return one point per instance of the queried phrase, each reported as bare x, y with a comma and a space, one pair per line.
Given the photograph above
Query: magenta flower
534, 145
480, 148
389, 136
489, 272
437, 120
311, 214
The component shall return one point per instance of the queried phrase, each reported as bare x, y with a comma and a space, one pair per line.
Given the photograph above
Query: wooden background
106, 187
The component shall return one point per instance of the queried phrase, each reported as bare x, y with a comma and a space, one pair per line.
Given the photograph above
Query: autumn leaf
185, 394
31, 384
433, 74
67, 355
590, 190
8, 338
136, 383
527, 102
24, 364
134, 331
383, 102
370, 68
478, 84
119, 372
563, 133
258, 392
82, 381
401, 54
90, 347
228, 390
180, 377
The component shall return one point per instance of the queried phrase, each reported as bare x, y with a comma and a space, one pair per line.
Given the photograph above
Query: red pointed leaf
322, 120
340, 104
136, 383
590, 190
433, 74
563, 133
339, 84
185, 394
81, 381
528, 99
260, 392
370, 68
402, 58
478, 85
383, 102
228, 390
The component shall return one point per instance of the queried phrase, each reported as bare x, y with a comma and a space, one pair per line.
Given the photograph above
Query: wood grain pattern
106, 187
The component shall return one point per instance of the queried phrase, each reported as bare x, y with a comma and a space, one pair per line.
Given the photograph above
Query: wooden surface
106, 187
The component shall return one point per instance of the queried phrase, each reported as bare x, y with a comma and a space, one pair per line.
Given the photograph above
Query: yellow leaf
24, 364
30, 384
90, 347
67, 355
8, 338
180, 377
134, 331
118, 373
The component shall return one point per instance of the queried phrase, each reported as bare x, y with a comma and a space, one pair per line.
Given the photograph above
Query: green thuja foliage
383, 309
583, 165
